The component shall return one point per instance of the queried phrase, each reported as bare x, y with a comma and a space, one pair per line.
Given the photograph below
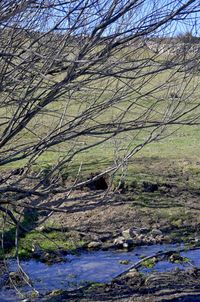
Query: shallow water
96, 266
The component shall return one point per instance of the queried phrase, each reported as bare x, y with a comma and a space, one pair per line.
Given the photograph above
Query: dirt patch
173, 212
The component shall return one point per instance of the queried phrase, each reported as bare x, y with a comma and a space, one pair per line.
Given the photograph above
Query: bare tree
78, 74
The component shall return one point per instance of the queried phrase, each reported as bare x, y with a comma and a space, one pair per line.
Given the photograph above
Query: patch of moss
176, 258
149, 263
96, 285
24, 253
48, 242
186, 260
55, 292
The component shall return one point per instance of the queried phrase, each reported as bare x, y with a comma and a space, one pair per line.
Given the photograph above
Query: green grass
174, 147
177, 155
47, 242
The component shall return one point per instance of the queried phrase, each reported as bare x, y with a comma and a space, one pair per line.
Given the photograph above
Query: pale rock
131, 233
128, 243
133, 273
123, 242
41, 228
126, 234
119, 241
94, 245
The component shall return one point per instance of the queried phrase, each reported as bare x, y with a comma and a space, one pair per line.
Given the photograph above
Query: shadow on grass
28, 224
95, 200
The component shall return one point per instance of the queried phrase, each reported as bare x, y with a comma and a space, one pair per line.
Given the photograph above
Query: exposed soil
95, 216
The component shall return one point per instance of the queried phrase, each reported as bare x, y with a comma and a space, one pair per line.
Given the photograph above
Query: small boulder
156, 232
122, 242
128, 243
124, 262
94, 245
152, 239
141, 236
138, 240
126, 234
131, 233
51, 258
167, 239
159, 239
133, 273
144, 231
119, 241
176, 258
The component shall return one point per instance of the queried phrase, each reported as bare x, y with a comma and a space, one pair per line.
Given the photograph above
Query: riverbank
161, 209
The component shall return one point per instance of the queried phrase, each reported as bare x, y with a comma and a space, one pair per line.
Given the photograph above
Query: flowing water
96, 266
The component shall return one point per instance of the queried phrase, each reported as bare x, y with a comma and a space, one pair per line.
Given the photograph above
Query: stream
96, 266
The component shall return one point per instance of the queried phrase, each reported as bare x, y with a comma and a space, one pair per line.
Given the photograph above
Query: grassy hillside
149, 98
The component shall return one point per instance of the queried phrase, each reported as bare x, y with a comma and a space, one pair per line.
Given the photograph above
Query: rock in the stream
122, 242
94, 245
16, 279
128, 243
176, 258
119, 241
124, 262
133, 273
51, 258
